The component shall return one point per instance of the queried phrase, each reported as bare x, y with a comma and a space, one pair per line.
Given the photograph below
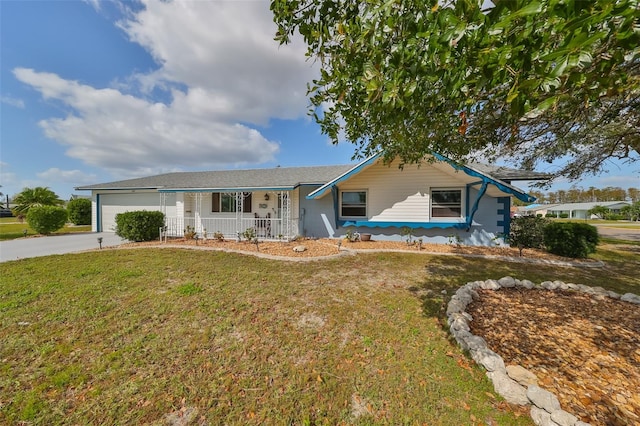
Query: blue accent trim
481, 192
500, 185
412, 225
505, 213
322, 191
336, 204
98, 215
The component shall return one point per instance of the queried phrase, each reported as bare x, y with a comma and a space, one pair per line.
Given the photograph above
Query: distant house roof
588, 206
282, 178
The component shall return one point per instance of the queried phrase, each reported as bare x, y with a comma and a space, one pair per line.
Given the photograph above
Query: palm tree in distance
32, 197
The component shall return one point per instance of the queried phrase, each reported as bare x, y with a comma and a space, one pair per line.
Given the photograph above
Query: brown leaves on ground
584, 349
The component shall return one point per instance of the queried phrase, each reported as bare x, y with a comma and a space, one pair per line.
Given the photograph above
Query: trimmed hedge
139, 225
79, 211
571, 239
46, 219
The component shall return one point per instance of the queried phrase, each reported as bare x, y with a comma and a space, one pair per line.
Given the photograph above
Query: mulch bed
328, 247
585, 349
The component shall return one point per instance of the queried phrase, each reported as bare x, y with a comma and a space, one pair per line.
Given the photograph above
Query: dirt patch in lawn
585, 349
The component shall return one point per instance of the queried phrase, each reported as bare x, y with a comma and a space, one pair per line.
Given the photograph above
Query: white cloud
226, 73
75, 177
128, 135
15, 102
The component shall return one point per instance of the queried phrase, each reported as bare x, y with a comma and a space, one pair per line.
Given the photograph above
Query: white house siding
402, 195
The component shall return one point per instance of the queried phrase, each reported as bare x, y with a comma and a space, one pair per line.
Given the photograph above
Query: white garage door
112, 204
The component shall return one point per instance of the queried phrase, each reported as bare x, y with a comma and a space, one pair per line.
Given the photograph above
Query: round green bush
571, 239
79, 211
139, 225
46, 219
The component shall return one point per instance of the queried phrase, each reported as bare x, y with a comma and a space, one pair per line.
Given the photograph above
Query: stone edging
514, 383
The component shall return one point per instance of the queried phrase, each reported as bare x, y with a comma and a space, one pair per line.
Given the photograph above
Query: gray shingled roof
280, 177
508, 174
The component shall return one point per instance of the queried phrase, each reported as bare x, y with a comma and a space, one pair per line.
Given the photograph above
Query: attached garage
109, 205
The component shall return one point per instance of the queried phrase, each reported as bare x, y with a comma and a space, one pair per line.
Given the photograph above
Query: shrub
571, 239
538, 214
46, 219
139, 225
79, 211
550, 215
564, 215
527, 232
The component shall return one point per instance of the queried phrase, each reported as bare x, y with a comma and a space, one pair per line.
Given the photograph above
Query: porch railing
264, 228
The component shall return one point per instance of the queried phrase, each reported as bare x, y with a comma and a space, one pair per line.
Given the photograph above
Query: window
446, 203
353, 204
225, 202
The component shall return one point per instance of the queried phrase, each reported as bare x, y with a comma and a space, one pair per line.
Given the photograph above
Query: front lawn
11, 228
149, 335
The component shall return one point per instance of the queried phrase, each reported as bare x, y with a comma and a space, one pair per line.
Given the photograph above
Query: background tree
79, 210
526, 80
32, 197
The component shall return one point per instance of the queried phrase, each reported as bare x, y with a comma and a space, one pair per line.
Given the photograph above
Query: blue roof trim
502, 186
322, 191
474, 209
247, 189
412, 225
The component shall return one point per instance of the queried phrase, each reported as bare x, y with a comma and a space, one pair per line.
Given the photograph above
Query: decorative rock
475, 343
580, 423
455, 306
490, 285
527, 284
563, 418
550, 285
488, 359
630, 297
541, 418
299, 249
507, 388
460, 324
543, 399
507, 282
521, 375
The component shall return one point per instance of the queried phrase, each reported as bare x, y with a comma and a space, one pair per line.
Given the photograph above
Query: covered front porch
263, 214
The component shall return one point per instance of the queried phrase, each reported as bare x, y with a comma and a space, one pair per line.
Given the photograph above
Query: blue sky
99, 91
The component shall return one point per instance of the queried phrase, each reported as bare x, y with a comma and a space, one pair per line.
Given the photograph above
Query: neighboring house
580, 210
436, 200
536, 209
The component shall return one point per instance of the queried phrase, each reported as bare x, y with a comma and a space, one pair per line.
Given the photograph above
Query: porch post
197, 213
286, 213
239, 209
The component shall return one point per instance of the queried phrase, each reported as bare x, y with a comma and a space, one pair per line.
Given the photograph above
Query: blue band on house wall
412, 225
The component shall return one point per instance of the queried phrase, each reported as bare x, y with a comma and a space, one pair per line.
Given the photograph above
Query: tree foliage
34, 197
527, 232
79, 211
531, 80
46, 219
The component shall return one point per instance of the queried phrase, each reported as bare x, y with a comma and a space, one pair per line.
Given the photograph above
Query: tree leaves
398, 74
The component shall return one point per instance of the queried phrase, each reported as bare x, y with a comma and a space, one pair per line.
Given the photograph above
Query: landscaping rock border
514, 383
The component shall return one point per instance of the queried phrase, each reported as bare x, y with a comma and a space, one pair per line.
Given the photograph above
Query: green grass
134, 336
11, 229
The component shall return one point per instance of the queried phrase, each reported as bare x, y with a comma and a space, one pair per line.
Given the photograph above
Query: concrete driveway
55, 244
629, 234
